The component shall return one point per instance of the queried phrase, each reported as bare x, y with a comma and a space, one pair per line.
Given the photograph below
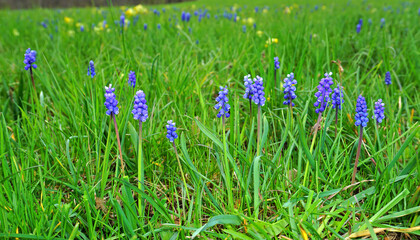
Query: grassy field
278, 177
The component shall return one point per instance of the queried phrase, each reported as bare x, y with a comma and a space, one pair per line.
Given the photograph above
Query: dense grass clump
278, 157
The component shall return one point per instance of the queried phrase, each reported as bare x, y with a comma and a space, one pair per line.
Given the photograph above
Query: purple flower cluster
337, 97
185, 16
276, 63
258, 91
323, 94
171, 131
361, 116
132, 79
388, 78
222, 103
289, 89
379, 111
111, 100
382, 22
140, 107
91, 69
122, 20
248, 87
30, 58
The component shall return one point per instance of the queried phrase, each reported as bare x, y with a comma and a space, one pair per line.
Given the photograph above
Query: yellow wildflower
265, 10
250, 21
270, 41
68, 20
259, 33
140, 9
287, 10
16, 32
129, 12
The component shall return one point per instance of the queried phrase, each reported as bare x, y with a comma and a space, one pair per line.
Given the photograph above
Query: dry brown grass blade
366, 233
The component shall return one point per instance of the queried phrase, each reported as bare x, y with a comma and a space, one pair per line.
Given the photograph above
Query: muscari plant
111, 104
322, 100
140, 112
337, 100
132, 79
379, 111
289, 90
30, 58
362, 119
276, 67
248, 91
223, 106
171, 135
388, 78
91, 69
259, 99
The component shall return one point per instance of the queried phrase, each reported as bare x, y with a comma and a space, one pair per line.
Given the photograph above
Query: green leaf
221, 219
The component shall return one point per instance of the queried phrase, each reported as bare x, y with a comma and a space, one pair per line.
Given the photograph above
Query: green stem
353, 177
140, 170
257, 166
119, 144
227, 168
312, 147
182, 172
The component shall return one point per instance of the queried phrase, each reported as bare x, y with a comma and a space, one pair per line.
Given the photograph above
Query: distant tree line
17, 4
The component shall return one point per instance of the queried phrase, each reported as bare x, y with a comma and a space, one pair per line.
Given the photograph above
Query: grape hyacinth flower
379, 111
111, 104
171, 131
132, 79
362, 119
258, 91
222, 103
158, 26
361, 116
388, 78
276, 63
140, 107
248, 90
91, 69
244, 28
122, 20
323, 94
111, 101
30, 58
337, 99
145, 26
44, 24
276, 67
358, 28
289, 89
382, 22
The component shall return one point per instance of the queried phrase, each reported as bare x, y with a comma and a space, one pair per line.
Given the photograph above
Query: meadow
72, 166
